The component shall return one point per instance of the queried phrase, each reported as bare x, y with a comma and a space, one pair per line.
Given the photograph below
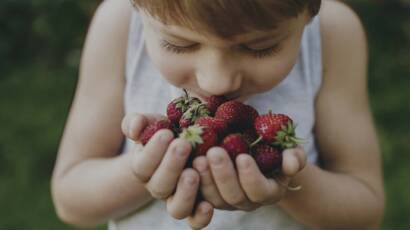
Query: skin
349, 183
223, 67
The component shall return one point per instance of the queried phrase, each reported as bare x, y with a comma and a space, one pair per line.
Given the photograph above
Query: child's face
237, 68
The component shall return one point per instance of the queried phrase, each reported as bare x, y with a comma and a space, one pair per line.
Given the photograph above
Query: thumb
294, 160
134, 123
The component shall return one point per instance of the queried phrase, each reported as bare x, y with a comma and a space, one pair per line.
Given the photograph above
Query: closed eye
260, 53
256, 53
178, 49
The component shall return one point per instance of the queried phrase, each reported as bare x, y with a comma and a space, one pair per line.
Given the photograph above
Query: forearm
97, 190
329, 200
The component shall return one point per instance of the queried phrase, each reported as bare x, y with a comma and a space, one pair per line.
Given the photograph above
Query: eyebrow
257, 40
276, 37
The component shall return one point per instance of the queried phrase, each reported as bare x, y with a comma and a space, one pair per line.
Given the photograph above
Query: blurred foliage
42, 30
388, 30
40, 47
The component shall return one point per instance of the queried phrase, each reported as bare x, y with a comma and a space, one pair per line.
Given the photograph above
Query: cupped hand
159, 166
244, 188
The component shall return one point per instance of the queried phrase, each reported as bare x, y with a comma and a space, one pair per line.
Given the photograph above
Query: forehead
187, 32
224, 18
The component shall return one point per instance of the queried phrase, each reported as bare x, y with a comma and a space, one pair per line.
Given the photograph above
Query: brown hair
227, 18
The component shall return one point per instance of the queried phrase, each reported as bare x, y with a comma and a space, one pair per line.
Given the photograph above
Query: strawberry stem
256, 141
298, 140
186, 93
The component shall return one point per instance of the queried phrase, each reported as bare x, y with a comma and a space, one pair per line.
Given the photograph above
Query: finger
226, 180
202, 215
302, 157
294, 160
181, 204
145, 162
207, 185
133, 124
257, 187
165, 178
285, 183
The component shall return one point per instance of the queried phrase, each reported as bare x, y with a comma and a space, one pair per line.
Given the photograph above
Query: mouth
199, 96
230, 97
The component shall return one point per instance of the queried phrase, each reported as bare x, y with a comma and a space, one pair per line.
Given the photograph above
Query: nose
218, 74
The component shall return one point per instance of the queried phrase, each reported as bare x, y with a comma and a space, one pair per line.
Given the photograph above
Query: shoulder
112, 16
112, 8
110, 25
342, 34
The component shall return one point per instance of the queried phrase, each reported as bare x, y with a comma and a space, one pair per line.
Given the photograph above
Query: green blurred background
40, 48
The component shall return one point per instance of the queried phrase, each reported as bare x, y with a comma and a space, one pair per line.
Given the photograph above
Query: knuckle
141, 177
219, 204
158, 193
237, 200
272, 200
135, 125
199, 226
213, 197
275, 198
259, 198
176, 213
195, 225
138, 172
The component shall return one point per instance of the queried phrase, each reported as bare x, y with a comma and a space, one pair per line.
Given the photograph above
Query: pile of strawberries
232, 125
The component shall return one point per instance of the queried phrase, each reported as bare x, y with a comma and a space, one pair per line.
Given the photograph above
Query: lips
203, 98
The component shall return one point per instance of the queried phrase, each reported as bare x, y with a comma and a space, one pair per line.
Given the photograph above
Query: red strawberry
217, 124
238, 115
235, 144
213, 102
252, 114
267, 158
277, 129
192, 114
151, 129
201, 139
177, 107
184, 123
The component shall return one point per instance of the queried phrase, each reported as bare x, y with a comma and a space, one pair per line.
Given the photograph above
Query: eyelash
255, 53
177, 49
263, 52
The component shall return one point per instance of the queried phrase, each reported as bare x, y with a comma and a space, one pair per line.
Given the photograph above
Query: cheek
266, 75
176, 70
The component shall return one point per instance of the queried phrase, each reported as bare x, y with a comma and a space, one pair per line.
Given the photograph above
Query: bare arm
348, 192
90, 184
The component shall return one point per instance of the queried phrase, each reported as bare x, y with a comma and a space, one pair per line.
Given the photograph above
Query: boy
258, 61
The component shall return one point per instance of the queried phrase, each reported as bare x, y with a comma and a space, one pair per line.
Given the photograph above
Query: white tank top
147, 92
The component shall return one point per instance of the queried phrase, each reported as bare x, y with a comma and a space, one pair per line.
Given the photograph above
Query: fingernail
130, 125
216, 160
295, 164
180, 151
243, 162
202, 168
205, 209
189, 180
200, 164
165, 137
